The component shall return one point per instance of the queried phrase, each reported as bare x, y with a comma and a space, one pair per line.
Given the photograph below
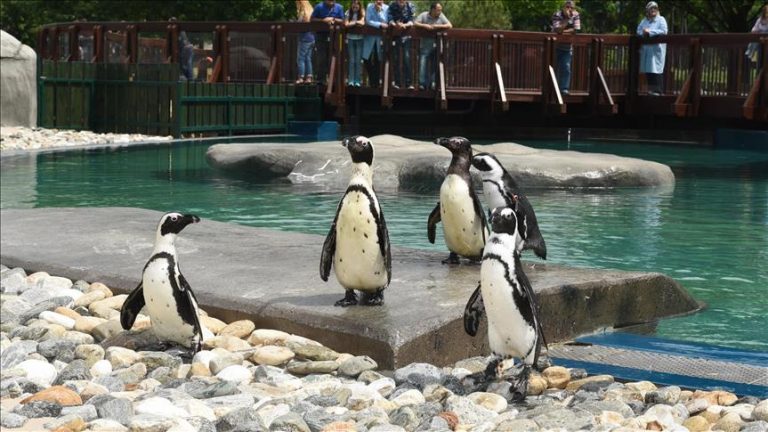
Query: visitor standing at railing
306, 43
186, 54
432, 20
355, 18
400, 15
373, 54
566, 21
761, 26
652, 56
329, 12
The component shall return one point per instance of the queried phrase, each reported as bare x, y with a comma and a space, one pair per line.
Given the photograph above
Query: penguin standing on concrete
169, 300
506, 295
357, 244
500, 189
459, 209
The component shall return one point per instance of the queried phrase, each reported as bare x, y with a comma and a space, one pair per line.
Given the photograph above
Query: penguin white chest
493, 196
462, 227
161, 304
358, 261
508, 333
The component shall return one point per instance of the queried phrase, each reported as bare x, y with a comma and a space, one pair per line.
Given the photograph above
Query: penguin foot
492, 370
376, 299
520, 384
350, 299
453, 258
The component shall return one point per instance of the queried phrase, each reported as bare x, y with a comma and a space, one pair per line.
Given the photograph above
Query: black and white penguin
506, 296
459, 209
357, 244
169, 300
500, 190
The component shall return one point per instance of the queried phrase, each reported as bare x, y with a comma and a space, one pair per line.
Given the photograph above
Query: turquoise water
710, 232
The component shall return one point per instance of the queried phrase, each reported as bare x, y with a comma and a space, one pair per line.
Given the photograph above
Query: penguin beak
190, 219
441, 141
346, 142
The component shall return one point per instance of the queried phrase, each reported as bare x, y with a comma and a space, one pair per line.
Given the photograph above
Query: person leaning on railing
329, 12
652, 56
373, 54
355, 18
761, 26
566, 21
400, 15
432, 20
306, 44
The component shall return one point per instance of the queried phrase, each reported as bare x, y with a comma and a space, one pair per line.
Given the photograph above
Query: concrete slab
272, 278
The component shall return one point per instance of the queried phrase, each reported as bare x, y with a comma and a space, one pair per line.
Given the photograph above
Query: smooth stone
229, 343
386, 428
268, 337
556, 376
517, 425
151, 423
206, 391
240, 400
489, 401
159, 406
121, 357
384, 386
239, 329
106, 425
204, 357
16, 353
113, 302
664, 395
85, 412
337, 426
13, 420
69, 422
45, 305
153, 360
100, 368
12, 309
761, 411
86, 324
467, 411
311, 367
410, 397
13, 281
110, 407
76, 370
93, 389
91, 353
58, 394
199, 369
98, 286
418, 374
755, 426
88, 298
272, 355
106, 330
596, 379
641, 386
268, 413
212, 324
38, 371
130, 375
290, 422
67, 312
29, 333
354, 366
235, 373
731, 422
224, 359
312, 352
39, 408
238, 417
77, 337
537, 384
57, 349
405, 417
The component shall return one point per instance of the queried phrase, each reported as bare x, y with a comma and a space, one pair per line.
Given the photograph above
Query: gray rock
106, 425
29, 333
113, 335
521, 425
201, 424
200, 390
45, 305
12, 309
17, 353
13, 420
86, 412
19, 84
597, 407
468, 411
81, 285
405, 417
418, 374
564, 419
132, 374
357, 365
241, 400
154, 360
110, 407
112, 383
76, 370
238, 416
61, 421
311, 367
62, 350
291, 422
324, 401
755, 426
317, 419
104, 331
386, 428
665, 395
36, 409
150, 423
369, 376
313, 352
164, 374
13, 281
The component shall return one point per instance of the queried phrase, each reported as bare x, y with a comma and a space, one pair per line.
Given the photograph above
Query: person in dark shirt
400, 15
330, 12
566, 21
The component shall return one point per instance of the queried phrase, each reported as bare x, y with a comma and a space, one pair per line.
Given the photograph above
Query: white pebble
57, 318
235, 373
159, 406
38, 371
101, 368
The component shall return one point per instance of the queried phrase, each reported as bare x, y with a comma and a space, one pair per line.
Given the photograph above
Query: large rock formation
18, 82
405, 164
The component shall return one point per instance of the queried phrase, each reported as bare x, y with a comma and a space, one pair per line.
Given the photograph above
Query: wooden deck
706, 76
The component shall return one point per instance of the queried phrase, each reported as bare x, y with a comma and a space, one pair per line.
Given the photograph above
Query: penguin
459, 209
169, 300
357, 245
506, 296
499, 189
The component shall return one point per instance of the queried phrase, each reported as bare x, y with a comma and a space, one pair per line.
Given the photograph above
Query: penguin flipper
386, 252
474, 312
432, 222
479, 212
193, 318
131, 307
329, 247
529, 229
532, 300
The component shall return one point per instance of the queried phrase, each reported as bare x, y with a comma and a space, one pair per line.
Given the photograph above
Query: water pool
710, 232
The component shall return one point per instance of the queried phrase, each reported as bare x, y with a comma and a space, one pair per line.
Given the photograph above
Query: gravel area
67, 365
23, 138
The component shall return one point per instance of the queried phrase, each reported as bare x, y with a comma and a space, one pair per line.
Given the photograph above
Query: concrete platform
272, 278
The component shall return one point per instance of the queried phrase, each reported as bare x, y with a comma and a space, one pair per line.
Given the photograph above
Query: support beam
751, 107
500, 88
613, 109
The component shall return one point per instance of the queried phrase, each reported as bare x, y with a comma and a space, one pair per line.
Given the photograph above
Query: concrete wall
18, 83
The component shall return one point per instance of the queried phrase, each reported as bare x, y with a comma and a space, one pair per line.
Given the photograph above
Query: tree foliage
22, 18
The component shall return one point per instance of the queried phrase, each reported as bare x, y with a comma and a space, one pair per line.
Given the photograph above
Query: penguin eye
174, 218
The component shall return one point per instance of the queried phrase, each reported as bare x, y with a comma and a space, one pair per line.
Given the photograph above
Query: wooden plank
500, 88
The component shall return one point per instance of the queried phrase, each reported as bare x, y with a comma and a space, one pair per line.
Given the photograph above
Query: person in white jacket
652, 56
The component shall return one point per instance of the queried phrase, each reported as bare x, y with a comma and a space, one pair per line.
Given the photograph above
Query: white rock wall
18, 83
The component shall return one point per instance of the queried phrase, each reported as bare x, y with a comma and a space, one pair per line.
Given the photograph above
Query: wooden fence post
633, 69
98, 44
696, 79
74, 46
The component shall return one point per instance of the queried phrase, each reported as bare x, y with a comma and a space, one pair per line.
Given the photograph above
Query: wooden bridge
706, 76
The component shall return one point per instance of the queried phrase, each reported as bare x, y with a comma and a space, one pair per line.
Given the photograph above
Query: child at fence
355, 18
306, 44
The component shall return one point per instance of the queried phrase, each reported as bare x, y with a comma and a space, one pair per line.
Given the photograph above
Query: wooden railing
705, 75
